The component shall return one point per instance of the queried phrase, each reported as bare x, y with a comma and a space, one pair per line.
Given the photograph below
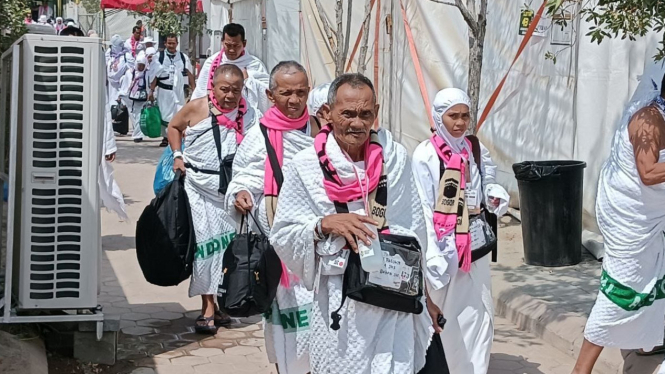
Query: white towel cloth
287, 327
631, 218
213, 226
371, 339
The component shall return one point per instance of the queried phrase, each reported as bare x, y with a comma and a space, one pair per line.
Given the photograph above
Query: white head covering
317, 98
150, 51
141, 59
70, 23
58, 19
117, 45
43, 19
147, 40
444, 100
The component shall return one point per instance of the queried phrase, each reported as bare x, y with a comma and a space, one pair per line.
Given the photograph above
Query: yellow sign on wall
526, 16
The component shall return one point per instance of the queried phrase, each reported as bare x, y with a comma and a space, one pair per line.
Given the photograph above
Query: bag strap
161, 57
353, 256
475, 150
272, 158
218, 144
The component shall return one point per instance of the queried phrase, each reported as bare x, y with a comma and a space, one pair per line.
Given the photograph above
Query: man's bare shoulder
648, 119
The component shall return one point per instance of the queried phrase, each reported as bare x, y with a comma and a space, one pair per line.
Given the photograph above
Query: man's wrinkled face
290, 95
171, 44
234, 46
352, 115
227, 89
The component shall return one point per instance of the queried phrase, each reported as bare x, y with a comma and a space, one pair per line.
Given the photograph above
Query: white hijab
117, 46
444, 100
140, 59
317, 98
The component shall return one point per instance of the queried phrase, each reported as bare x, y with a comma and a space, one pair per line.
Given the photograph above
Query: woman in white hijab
454, 197
317, 98
59, 25
134, 92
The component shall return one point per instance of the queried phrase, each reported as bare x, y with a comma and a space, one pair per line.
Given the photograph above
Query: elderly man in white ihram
234, 52
351, 184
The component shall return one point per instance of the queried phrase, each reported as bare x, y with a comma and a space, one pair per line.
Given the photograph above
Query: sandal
205, 328
656, 350
164, 143
222, 319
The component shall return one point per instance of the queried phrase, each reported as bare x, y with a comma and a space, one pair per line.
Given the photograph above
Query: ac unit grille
57, 141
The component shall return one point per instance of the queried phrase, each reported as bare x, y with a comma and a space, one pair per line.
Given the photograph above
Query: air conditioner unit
59, 127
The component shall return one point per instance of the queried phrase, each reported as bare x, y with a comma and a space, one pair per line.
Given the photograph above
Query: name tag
340, 260
477, 231
471, 198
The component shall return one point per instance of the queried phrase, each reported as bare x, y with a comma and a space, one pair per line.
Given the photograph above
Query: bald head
227, 70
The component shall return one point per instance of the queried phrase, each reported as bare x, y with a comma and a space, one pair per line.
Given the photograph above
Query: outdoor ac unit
61, 103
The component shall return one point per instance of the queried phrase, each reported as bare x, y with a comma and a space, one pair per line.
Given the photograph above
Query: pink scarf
451, 217
133, 43
276, 123
222, 120
335, 189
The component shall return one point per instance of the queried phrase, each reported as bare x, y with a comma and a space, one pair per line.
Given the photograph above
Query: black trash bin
551, 210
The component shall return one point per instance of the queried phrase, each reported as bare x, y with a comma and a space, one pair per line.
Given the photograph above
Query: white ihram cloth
256, 83
286, 347
132, 77
171, 101
464, 298
371, 339
213, 226
631, 218
109, 191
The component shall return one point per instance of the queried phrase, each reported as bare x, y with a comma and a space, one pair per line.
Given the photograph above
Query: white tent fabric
546, 111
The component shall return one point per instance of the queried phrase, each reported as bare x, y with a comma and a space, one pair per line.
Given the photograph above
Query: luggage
165, 239
151, 121
120, 116
252, 272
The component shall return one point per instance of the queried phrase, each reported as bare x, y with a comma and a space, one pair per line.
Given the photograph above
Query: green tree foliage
627, 19
12, 26
91, 6
172, 17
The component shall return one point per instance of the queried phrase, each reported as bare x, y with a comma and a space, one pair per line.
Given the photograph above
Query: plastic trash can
551, 210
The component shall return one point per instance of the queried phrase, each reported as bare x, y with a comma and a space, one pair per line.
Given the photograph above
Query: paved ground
157, 322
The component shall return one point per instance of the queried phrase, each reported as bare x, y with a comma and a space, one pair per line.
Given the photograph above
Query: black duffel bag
251, 274
373, 288
165, 238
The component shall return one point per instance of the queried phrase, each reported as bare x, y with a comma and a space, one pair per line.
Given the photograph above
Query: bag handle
255, 222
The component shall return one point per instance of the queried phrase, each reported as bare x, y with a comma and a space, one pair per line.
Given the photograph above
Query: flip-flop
657, 350
223, 320
207, 328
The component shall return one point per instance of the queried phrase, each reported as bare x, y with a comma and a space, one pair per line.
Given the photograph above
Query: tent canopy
146, 6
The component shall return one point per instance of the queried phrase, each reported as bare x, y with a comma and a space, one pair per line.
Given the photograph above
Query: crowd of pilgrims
336, 188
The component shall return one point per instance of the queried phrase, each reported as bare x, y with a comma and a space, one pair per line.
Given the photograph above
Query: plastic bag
164, 173
151, 121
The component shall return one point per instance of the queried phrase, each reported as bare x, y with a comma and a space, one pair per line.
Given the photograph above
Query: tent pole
103, 24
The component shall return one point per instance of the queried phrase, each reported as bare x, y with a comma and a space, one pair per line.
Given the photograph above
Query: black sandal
223, 320
164, 142
207, 328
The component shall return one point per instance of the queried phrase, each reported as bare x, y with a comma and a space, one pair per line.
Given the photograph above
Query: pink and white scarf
450, 212
222, 120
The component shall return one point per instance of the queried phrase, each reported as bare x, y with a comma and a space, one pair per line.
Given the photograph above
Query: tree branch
339, 59
348, 32
362, 63
326, 25
466, 14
